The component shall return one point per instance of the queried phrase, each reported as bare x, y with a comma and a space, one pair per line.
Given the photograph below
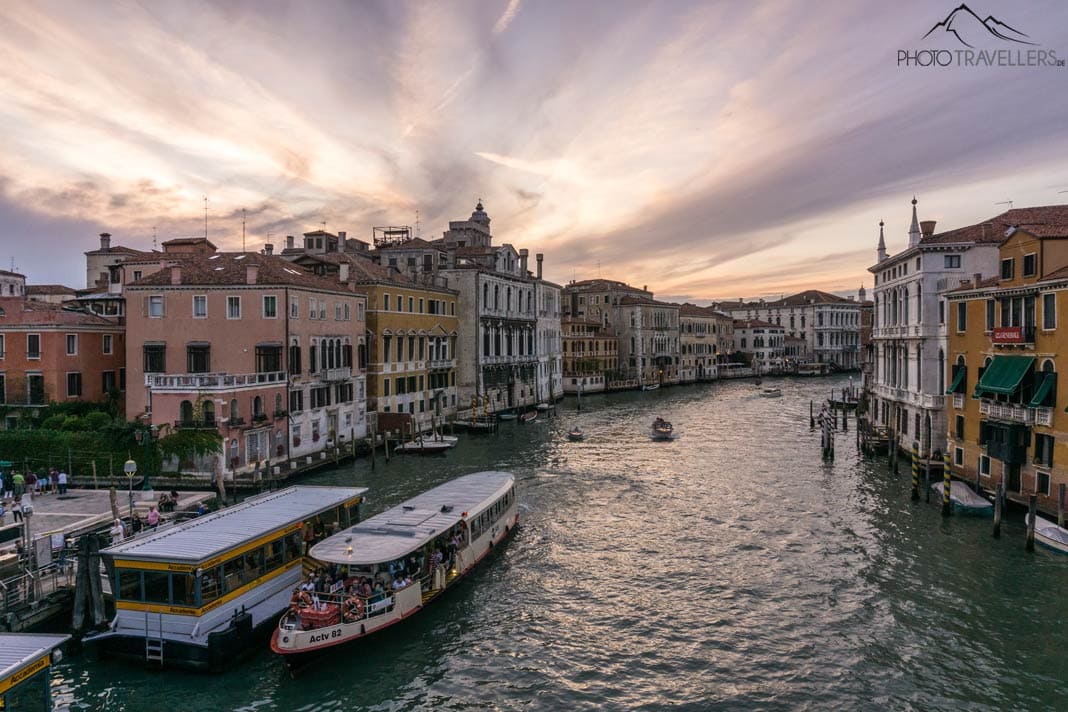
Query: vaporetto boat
194, 595
409, 554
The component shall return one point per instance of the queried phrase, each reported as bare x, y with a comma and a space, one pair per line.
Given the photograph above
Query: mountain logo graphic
970, 29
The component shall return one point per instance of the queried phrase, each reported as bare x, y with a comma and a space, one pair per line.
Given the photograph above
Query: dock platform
85, 510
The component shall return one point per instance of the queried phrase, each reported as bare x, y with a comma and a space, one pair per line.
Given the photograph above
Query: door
1012, 476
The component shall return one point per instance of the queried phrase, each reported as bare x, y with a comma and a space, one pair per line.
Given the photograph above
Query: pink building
252, 345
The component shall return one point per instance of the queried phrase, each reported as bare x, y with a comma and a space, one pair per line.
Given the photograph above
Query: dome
479, 215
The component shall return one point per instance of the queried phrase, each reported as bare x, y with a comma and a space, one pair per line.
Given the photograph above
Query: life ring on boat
304, 600
353, 608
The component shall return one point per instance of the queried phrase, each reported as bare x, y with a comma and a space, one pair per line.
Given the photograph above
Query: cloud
506, 17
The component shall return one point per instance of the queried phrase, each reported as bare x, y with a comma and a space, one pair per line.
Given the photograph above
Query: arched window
496, 296
508, 301
278, 403
185, 411
209, 412
485, 295
257, 406
234, 414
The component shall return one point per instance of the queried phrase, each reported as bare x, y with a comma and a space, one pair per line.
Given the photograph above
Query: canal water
729, 569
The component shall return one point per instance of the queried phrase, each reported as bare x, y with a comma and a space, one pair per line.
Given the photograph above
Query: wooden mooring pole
999, 501
811, 416
915, 471
1060, 505
947, 480
927, 478
1032, 511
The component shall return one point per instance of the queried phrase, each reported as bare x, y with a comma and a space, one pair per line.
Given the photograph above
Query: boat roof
213, 534
401, 530
19, 651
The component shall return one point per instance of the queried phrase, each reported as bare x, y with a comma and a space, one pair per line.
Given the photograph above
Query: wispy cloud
507, 16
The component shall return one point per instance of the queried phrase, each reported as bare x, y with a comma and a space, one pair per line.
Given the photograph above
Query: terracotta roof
688, 309
631, 299
35, 289
27, 312
230, 268
122, 250
595, 285
415, 243
810, 296
1042, 221
188, 241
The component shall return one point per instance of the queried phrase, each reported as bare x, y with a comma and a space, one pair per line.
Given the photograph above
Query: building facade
908, 332
763, 343
548, 343
699, 350
253, 346
1005, 409
590, 356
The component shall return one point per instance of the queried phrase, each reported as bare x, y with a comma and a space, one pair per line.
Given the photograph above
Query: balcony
1013, 336
185, 382
1043, 416
343, 373
1007, 411
958, 401
440, 363
195, 424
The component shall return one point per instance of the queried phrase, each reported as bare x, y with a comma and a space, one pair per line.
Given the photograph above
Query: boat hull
331, 639
1050, 535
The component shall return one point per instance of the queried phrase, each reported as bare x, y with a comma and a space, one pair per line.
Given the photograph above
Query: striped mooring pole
915, 471
947, 479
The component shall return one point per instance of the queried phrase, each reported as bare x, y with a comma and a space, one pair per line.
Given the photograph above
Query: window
108, 382
962, 316
1030, 265
359, 311
941, 312
155, 358
313, 309
347, 312
1049, 311
137, 275
233, 307
74, 385
200, 306
1, 345
296, 401
951, 262
958, 456
270, 306
400, 303
989, 314
411, 304
959, 429
35, 392
268, 359
294, 308
108, 346
294, 360
1043, 483
33, 346
3, 388
984, 465
155, 307
72, 344
1044, 450
1008, 268
337, 311
385, 302
198, 358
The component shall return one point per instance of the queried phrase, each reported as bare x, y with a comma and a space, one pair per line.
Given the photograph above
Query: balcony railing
343, 373
195, 424
1043, 416
958, 401
440, 363
1007, 411
211, 381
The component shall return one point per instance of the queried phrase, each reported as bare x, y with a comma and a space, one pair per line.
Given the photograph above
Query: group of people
15, 483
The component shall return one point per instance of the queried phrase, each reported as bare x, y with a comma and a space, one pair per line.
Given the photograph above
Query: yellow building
411, 338
1006, 417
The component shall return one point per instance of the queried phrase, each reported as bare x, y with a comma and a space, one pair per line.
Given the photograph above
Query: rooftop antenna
1005, 202
242, 230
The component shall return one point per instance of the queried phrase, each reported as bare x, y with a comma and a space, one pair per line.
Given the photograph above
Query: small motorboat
650, 386
771, 393
575, 434
428, 445
543, 406
507, 415
1049, 534
964, 499
662, 430
528, 416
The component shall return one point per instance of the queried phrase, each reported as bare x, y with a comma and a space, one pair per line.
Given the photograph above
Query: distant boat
650, 386
543, 406
662, 430
478, 425
1049, 534
507, 415
771, 393
528, 416
575, 434
428, 445
965, 500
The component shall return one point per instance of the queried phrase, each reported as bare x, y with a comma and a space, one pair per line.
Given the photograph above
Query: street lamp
145, 436
130, 468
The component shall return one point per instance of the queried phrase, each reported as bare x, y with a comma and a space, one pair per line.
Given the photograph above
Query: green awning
1049, 380
1004, 375
958, 382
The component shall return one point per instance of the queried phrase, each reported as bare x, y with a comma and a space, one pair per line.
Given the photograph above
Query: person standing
61, 482
152, 519
18, 483
16, 509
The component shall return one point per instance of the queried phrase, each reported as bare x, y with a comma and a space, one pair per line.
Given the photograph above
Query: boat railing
318, 610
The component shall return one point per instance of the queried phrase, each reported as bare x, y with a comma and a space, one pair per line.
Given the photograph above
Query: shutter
144, 306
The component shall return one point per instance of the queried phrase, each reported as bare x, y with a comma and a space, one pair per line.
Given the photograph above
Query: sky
709, 150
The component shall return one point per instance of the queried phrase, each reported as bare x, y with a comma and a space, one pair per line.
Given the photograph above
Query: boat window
129, 585
157, 587
294, 546
233, 574
253, 564
182, 589
274, 553
210, 585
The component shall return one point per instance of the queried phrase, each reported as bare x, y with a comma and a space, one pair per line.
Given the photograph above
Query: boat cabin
26, 669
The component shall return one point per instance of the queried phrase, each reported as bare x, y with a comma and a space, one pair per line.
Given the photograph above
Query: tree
187, 444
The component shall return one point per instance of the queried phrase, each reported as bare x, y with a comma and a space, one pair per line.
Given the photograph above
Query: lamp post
146, 436
130, 468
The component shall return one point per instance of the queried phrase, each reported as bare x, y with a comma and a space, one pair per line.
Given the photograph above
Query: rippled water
728, 569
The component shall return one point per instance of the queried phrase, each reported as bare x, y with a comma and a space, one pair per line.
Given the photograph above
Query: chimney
539, 257
976, 278
523, 254
927, 227
176, 275
268, 248
645, 287
289, 242
105, 241
341, 236
251, 273
343, 271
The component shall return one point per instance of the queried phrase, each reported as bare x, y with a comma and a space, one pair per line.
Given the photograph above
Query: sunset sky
708, 150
